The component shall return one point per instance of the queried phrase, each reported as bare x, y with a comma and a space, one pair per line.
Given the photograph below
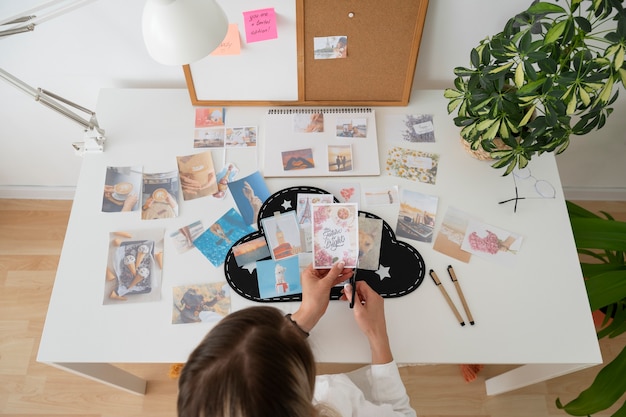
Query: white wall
100, 46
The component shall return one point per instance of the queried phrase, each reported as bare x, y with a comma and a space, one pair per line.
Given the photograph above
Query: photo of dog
370, 235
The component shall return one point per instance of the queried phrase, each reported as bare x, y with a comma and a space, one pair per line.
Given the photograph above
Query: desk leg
107, 374
527, 375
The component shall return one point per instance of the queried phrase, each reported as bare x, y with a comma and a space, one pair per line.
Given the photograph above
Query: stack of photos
335, 234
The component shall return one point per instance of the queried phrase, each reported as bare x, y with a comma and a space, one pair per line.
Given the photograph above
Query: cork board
383, 45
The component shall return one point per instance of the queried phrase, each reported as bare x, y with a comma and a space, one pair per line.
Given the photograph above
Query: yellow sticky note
231, 45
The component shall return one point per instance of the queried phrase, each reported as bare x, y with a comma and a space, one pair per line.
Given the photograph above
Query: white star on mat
286, 204
383, 272
250, 267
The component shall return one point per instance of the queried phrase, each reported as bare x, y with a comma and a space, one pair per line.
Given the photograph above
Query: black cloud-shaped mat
401, 270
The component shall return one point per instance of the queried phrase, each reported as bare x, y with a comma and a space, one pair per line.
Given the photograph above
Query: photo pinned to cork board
400, 268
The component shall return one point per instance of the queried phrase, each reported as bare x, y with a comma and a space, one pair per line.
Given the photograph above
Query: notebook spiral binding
339, 110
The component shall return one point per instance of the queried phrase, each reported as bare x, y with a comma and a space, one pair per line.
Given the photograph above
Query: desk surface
536, 312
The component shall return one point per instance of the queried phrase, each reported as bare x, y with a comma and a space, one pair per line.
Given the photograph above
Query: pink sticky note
231, 45
260, 25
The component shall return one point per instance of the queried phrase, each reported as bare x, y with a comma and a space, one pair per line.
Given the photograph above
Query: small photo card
122, 189
298, 159
335, 234
251, 251
240, 137
340, 158
200, 303
416, 218
345, 192
282, 234
278, 278
303, 215
370, 238
215, 242
209, 117
160, 195
226, 175
183, 238
351, 128
197, 175
451, 235
491, 243
308, 123
212, 137
412, 164
414, 128
378, 196
249, 193
330, 47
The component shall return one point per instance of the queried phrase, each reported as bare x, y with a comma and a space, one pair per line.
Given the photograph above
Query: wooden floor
31, 237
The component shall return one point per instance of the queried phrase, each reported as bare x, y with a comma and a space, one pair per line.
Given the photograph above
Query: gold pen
458, 289
433, 275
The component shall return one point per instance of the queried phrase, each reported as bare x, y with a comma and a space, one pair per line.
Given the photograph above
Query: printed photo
183, 238
416, 218
308, 123
412, 165
197, 175
240, 137
451, 235
200, 303
335, 234
209, 117
122, 189
134, 266
160, 196
279, 278
491, 243
345, 192
340, 158
282, 234
415, 128
215, 242
303, 216
330, 47
226, 175
298, 159
377, 196
249, 193
251, 251
370, 238
351, 128
209, 138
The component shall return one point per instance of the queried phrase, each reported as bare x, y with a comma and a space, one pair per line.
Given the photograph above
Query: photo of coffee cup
121, 190
160, 195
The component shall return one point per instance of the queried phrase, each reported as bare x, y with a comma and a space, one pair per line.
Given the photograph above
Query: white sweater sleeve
375, 391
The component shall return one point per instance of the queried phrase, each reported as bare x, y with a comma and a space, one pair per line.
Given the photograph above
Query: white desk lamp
179, 32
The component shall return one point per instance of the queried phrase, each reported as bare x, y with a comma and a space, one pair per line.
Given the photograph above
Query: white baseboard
37, 192
595, 193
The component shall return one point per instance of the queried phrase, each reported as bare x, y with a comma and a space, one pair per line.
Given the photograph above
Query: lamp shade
178, 32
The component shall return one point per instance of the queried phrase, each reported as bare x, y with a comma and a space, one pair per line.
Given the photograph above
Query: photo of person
308, 123
249, 193
122, 186
279, 278
160, 195
339, 158
330, 47
298, 159
351, 128
183, 238
197, 175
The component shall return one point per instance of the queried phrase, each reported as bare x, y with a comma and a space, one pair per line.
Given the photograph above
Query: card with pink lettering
335, 234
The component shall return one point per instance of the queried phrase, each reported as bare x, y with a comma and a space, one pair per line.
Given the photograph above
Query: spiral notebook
317, 142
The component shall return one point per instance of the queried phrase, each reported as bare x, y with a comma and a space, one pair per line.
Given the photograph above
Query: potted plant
551, 73
602, 240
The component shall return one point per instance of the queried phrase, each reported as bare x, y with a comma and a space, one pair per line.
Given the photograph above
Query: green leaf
608, 386
555, 32
606, 288
590, 233
545, 8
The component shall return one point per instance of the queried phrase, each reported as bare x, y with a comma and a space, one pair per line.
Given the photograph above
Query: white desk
535, 314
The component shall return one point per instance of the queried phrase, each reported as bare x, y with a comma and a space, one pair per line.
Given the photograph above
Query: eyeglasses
542, 187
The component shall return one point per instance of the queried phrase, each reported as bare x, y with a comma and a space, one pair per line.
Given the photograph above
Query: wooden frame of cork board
383, 46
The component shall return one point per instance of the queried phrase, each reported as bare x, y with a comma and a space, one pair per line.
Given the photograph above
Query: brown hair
252, 363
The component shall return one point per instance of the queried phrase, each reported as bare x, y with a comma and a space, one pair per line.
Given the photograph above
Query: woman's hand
369, 313
316, 285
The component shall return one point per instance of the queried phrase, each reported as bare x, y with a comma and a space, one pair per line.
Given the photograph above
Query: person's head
254, 362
